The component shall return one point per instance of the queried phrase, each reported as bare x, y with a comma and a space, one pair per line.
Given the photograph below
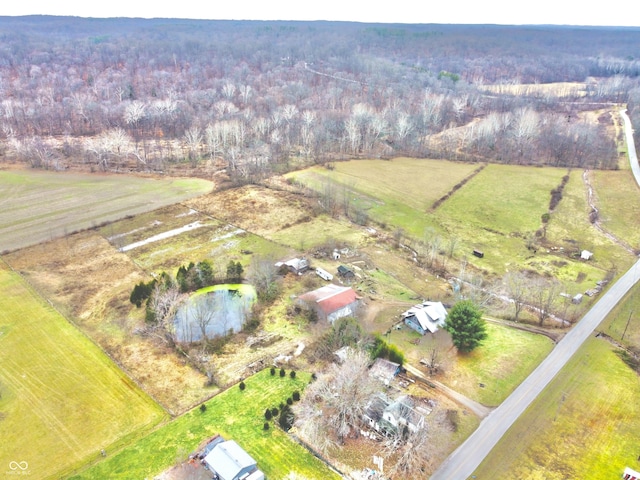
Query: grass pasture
62, 399
396, 192
235, 414
36, 206
584, 424
496, 211
618, 199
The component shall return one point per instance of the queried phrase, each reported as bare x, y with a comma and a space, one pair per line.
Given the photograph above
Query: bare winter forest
262, 97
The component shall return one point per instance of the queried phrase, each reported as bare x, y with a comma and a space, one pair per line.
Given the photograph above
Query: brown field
37, 206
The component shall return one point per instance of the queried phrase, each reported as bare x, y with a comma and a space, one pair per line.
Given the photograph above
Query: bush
289, 401
292, 374
274, 412
267, 414
242, 386
273, 371
266, 426
382, 349
296, 396
286, 419
282, 372
203, 408
281, 405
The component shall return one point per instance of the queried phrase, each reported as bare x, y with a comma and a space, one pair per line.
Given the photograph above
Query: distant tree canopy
466, 326
136, 93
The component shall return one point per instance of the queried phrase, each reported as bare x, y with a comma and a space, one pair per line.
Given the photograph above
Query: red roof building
332, 302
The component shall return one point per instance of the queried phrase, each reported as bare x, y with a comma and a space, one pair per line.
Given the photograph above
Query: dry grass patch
85, 277
256, 209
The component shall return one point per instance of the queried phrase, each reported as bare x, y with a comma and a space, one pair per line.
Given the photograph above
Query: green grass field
36, 206
495, 211
235, 414
619, 203
584, 424
62, 399
396, 192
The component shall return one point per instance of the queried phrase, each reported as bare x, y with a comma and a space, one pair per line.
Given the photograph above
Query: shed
586, 255
384, 370
346, 273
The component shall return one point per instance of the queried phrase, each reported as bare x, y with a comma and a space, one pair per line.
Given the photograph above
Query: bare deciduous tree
332, 406
517, 287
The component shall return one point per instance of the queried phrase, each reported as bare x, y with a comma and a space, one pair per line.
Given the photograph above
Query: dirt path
477, 408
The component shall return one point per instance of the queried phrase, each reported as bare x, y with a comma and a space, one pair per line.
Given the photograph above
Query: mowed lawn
500, 364
62, 399
584, 424
234, 414
36, 206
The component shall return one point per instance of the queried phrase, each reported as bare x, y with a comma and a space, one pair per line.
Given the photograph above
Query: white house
230, 462
426, 317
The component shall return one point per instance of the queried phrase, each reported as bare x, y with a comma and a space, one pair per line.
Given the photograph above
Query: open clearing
584, 425
62, 399
234, 414
36, 206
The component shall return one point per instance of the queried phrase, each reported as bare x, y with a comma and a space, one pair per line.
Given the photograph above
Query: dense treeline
261, 96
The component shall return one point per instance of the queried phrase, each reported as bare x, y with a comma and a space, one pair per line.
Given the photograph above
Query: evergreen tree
466, 326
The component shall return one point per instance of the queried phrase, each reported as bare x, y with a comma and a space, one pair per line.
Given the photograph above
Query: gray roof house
295, 265
389, 416
426, 317
384, 370
230, 462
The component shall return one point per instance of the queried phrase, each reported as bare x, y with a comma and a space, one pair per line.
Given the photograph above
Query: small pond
214, 311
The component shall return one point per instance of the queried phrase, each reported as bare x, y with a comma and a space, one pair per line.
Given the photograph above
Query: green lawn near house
235, 414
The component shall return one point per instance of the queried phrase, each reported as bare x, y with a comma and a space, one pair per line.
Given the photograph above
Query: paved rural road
463, 461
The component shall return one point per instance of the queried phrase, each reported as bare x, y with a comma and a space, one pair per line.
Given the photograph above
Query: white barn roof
228, 459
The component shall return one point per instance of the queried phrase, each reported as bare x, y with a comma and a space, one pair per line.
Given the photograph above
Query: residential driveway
463, 461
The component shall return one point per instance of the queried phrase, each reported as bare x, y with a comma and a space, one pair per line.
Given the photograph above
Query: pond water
214, 311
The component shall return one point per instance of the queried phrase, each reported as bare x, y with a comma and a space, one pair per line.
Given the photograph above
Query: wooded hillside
261, 97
